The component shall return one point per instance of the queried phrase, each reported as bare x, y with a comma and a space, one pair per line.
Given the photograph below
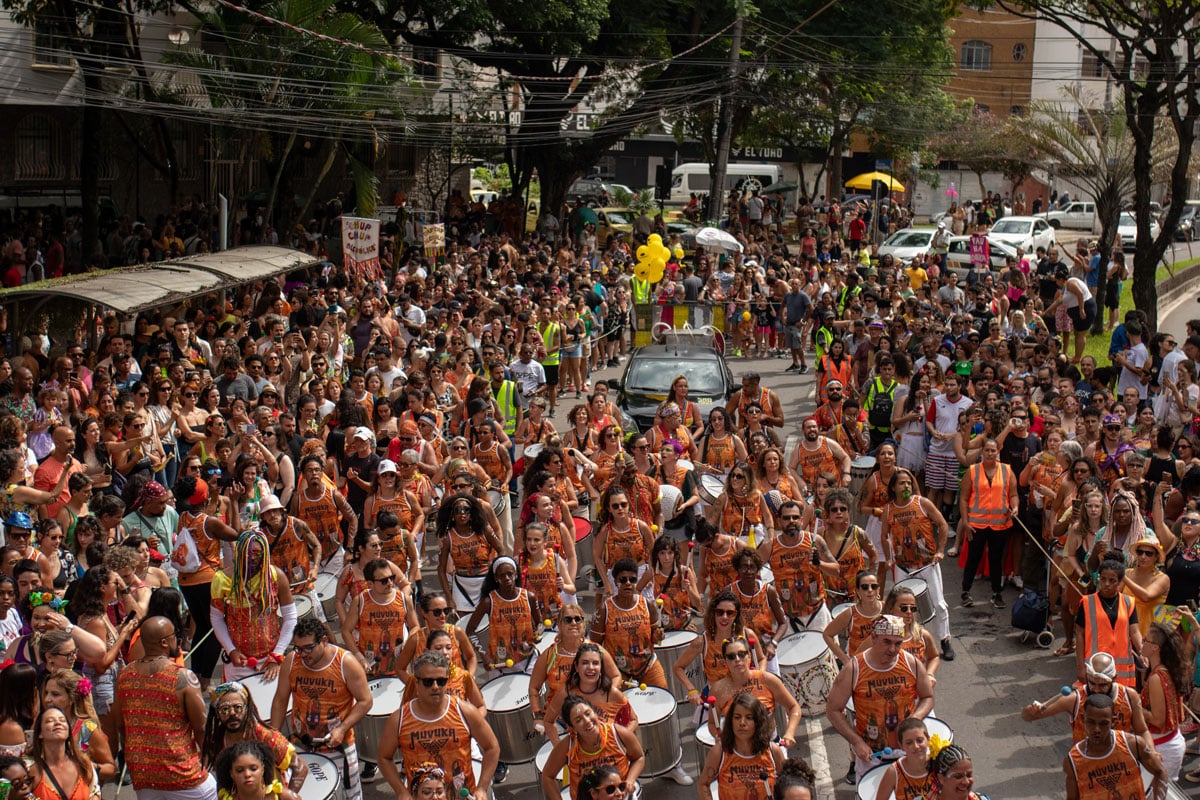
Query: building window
35, 156
982, 108
50, 46
1090, 67
1019, 51
426, 63
976, 56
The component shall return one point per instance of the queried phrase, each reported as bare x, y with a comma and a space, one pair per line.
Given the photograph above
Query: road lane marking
818, 757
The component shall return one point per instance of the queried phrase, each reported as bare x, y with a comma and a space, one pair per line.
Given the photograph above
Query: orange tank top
321, 516
719, 566
862, 630
1114, 774
755, 686
914, 787
395, 549
882, 698
912, 533
380, 633
814, 462
676, 610
916, 646
739, 514
399, 506
321, 698
609, 752
542, 583
742, 777
852, 560
623, 544
756, 609
511, 627
290, 554
719, 453
628, 636
715, 666
459, 686
160, 746
1122, 712
472, 555
798, 581
207, 548
444, 740
489, 459
456, 656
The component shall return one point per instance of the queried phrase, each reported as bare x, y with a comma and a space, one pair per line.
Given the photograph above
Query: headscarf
889, 625
153, 490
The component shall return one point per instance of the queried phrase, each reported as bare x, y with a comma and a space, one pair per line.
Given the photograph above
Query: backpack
882, 404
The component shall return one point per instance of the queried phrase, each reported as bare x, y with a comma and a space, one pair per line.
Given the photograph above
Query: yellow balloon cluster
652, 259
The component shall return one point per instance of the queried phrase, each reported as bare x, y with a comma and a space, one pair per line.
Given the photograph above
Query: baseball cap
387, 465
363, 433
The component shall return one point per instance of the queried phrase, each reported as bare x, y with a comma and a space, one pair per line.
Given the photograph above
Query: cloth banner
360, 246
433, 239
980, 251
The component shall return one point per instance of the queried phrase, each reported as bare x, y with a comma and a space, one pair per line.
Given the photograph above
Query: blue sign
883, 163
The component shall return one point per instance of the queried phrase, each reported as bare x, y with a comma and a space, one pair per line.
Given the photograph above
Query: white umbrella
714, 237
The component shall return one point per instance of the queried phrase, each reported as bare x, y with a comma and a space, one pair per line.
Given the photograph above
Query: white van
694, 177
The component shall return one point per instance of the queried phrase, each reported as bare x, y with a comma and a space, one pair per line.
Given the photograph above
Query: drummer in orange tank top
590, 679
553, 666
378, 620
619, 535
761, 608
744, 762
629, 627
722, 621
434, 611
848, 543
592, 747
719, 447
857, 621
768, 688
512, 631
717, 550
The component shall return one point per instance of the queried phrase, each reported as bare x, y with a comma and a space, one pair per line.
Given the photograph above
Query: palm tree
1097, 150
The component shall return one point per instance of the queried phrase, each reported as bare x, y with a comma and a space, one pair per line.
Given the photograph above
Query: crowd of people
305, 484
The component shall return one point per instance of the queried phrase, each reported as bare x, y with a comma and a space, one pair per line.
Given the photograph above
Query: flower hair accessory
46, 599
84, 686
936, 745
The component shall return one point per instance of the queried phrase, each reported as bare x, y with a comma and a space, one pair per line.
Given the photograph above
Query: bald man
162, 715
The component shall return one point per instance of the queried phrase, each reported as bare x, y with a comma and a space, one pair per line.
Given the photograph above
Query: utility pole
716, 195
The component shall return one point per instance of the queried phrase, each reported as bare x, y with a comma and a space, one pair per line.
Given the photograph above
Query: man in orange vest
1107, 622
987, 503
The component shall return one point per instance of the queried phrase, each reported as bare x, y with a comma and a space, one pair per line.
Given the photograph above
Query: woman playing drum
722, 621
848, 543
716, 556
743, 677
741, 510
470, 545
553, 667
588, 678
619, 535
902, 603
592, 744
744, 749
434, 611
857, 621
509, 610
629, 627
670, 581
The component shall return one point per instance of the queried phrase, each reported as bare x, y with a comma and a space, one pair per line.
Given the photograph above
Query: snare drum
868, 784
481, 632
543, 757
860, 470
304, 607
705, 742
386, 694
711, 487
507, 700
657, 729
324, 781
498, 499
583, 545
326, 588
920, 590
808, 668
673, 643
262, 693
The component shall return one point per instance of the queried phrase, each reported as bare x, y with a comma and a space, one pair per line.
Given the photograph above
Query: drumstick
1064, 692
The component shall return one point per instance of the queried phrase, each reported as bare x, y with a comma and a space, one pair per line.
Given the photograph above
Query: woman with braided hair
233, 718
246, 771
252, 611
955, 773
469, 544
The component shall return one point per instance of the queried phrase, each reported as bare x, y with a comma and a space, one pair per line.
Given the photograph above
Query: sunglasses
617, 506
572, 620
438, 612
1147, 553
384, 579
624, 579
908, 608
724, 612
611, 790
429, 683
869, 587
838, 509
737, 656
1191, 520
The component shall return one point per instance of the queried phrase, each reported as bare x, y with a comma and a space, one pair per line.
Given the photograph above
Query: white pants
932, 575
205, 790
874, 531
503, 508
1171, 752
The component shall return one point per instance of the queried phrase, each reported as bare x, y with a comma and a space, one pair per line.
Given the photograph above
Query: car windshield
1011, 226
908, 239
1126, 221
617, 218
655, 375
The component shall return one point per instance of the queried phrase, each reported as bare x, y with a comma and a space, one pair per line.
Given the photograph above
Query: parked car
906, 244
1079, 215
652, 369
1028, 233
612, 221
959, 252
589, 190
1127, 230
1189, 219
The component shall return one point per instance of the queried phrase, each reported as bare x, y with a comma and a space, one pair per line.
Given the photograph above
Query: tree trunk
1108, 208
837, 140
316, 184
91, 120
1147, 253
273, 198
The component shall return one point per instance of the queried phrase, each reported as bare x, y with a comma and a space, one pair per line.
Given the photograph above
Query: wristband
692, 692
276, 657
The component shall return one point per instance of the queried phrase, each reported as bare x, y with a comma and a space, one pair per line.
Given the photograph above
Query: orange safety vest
1103, 636
989, 499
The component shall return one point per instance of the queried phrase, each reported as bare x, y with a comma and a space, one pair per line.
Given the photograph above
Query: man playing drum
888, 685
797, 558
1127, 705
816, 454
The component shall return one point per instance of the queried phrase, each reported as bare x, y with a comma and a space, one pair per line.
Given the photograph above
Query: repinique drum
920, 590
304, 607
507, 699
324, 781
868, 784
497, 499
657, 729
481, 632
808, 668
705, 741
711, 487
860, 470
326, 588
583, 545
386, 693
262, 692
668, 651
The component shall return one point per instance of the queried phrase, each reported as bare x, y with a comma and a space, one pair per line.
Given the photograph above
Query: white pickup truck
1079, 215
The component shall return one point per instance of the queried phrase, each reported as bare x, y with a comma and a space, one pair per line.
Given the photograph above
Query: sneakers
997, 600
804, 369
967, 600
680, 776
369, 772
501, 773
851, 776
952, 551
793, 368
947, 650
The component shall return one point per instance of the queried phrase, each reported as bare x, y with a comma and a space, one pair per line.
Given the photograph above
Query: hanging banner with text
433, 239
981, 255
360, 246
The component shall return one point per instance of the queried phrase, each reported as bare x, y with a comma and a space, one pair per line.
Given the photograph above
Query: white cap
941, 226
364, 434
387, 465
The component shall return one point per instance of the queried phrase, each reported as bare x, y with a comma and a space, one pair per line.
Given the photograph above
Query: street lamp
178, 36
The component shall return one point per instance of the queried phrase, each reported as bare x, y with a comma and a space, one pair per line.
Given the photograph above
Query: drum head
583, 528
304, 605
936, 726
670, 500
704, 736
915, 585
262, 693
650, 704
326, 585
531, 452
324, 777
801, 648
386, 692
544, 643
683, 462
677, 639
712, 484
462, 621
506, 693
862, 465
868, 784
839, 608
543, 756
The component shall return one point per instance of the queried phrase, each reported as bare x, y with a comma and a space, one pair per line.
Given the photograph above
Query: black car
652, 369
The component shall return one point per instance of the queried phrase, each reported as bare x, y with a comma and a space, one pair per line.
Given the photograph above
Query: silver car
904, 245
